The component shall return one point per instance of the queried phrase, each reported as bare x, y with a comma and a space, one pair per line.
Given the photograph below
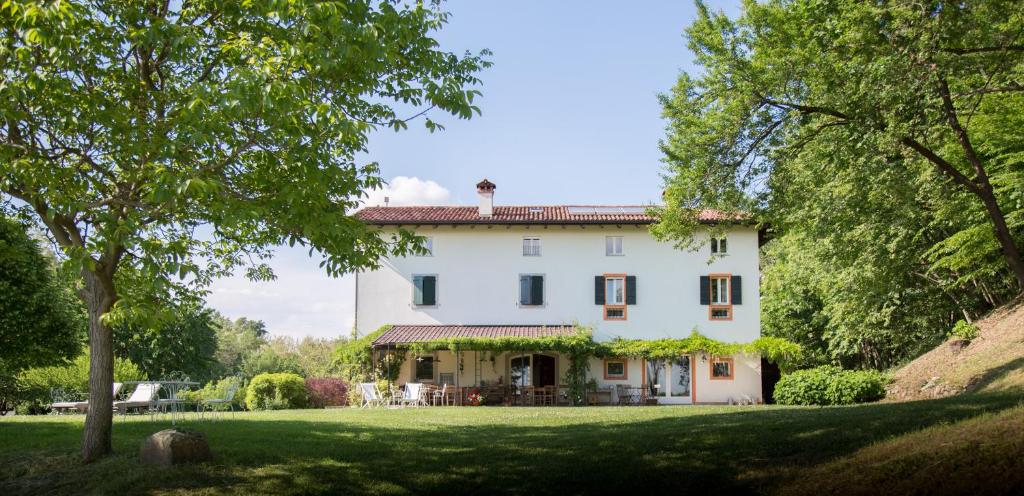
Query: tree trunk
99, 298
1011, 252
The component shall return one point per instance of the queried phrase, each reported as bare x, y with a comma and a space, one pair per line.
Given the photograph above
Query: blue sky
570, 116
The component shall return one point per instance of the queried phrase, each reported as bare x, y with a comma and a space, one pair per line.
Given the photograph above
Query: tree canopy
162, 144
881, 90
184, 343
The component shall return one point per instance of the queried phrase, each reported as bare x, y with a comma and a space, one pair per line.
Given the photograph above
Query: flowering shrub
326, 391
475, 398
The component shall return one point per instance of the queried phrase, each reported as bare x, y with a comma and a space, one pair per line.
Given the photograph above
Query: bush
964, 330
829, 385
276, 392
324, 392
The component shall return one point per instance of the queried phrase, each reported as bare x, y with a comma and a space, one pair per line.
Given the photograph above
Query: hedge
279, 391
829, 385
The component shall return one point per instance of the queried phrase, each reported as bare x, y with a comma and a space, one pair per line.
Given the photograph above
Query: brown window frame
625, 298
732, 368
728, 295
625, 369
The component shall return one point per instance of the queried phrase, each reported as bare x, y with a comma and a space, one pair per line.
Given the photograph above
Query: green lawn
491, 449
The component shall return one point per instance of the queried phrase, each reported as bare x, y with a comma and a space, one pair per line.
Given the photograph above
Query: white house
499, 270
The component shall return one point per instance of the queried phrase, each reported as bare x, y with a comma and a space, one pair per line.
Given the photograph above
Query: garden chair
81, 406
413, 395
371, 395
174, 399
213, 404
144, 396
440, 395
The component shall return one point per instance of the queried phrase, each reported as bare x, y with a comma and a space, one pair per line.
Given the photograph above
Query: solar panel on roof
634, 210
580, 210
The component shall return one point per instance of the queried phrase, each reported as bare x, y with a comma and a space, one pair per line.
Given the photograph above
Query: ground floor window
655, 377
615, 370
721, 368
424, 368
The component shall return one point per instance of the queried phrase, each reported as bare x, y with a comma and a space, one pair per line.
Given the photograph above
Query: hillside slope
992, 362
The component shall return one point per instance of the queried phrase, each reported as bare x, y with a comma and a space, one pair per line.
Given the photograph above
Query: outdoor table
172, 388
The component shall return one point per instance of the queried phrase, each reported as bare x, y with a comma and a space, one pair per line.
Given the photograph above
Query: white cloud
404, 190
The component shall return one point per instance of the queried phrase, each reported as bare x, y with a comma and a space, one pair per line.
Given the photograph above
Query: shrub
964, 330
829, 385
279, 391
324, 392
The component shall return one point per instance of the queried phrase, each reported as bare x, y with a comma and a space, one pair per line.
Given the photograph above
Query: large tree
181, 140
184, 342
888, 83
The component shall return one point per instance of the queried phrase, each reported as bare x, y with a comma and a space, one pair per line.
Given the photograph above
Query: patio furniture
227, 399
173, 384
600, 396
371, 395
413, 395
144, 396
440, 395
545, 396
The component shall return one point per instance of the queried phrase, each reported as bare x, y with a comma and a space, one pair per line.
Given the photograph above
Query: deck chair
144, 396
81, 406
371, 395
412, 394
440, 396
213, 403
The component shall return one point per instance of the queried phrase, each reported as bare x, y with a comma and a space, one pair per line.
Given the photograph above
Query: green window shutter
736, 289
537, 290
599, 290
631, 290
705, 290
429, 290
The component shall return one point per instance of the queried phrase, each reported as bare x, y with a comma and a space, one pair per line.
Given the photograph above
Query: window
615, 297
531, 247
613, 246
719, 246
428, 245
425, 368
615, 370
721, 369
531, 289
424, 290
721, 306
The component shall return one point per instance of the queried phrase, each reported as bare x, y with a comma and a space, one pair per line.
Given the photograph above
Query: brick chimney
485, 190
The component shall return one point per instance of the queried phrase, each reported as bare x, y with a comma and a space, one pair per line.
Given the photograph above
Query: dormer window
719, 246
531, 247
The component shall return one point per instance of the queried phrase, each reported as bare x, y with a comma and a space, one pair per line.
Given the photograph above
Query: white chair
213, 403
440, 395
371, 395
144, 396
81, 406
413, 394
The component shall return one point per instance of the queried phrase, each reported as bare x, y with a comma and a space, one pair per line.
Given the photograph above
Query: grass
504, 450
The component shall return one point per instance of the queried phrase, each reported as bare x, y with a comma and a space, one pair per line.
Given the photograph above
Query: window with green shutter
531, 289
424, 290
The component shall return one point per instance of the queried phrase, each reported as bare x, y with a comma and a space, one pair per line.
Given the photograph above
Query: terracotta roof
558, 214
405, 334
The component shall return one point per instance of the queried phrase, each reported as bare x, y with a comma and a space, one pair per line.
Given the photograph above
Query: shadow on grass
514, 451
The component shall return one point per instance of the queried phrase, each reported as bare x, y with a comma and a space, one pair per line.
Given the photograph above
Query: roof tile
558, 214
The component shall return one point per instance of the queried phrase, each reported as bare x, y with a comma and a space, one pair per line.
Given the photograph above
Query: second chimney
485, 190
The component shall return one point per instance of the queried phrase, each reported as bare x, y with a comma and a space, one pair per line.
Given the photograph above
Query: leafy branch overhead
885, 83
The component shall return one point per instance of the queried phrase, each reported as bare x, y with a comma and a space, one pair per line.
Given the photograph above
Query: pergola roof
408, 334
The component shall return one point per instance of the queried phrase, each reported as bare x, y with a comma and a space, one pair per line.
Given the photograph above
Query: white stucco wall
478, 272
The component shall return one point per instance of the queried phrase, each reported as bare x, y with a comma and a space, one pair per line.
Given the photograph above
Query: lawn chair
144, 396
440, 395
65, 403
413, 395
213, 403
371, 395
